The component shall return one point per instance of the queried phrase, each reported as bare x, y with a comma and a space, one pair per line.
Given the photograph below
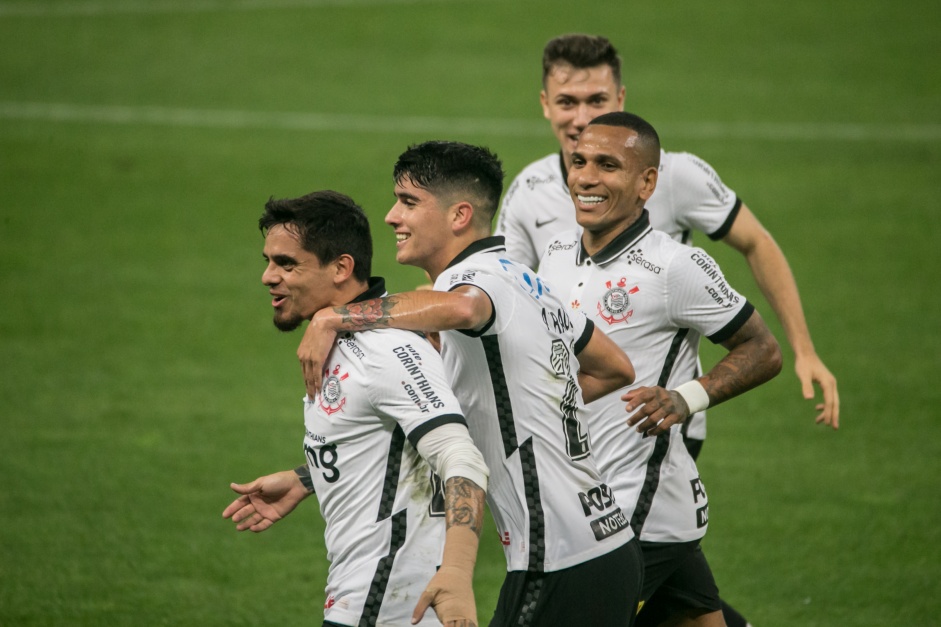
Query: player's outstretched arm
268, 499
776, 281
603, 367
753, 358
465, 307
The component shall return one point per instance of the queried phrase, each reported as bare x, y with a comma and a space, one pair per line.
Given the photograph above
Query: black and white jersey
384, 510
516, 379
655, 298
689, 197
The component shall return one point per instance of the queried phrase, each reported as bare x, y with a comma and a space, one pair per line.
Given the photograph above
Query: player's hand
312, 353
265, 501
811, 369
450, 592
655, 409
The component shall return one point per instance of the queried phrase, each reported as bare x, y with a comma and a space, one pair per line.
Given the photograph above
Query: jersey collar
376, 289
620, 244
495, 243
565, 172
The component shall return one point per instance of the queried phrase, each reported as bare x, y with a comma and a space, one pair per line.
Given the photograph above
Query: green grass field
141, 374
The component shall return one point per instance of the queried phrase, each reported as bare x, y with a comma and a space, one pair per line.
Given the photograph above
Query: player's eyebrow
405, 195
281, 260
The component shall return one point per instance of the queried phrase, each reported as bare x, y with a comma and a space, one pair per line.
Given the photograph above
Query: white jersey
384, 511
655, 298
517, 381
689, 196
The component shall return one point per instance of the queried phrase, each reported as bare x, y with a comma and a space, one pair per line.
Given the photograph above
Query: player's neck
348, 291
449, 252
595, 241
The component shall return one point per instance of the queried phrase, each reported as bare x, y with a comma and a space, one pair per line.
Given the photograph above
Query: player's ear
621, 92
343, 268
462, 216
648, 182
544, 100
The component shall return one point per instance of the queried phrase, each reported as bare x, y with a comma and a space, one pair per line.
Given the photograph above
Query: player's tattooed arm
451, 590
754, 357
367, 314
464, 504
303, 473
466, 307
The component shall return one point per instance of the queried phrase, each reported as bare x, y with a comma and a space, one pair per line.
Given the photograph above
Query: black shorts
677, 578
602, 592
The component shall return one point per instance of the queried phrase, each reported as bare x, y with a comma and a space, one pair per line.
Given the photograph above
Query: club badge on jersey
615, 306
331, 393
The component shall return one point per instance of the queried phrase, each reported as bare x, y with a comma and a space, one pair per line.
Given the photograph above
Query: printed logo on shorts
331, 393
615, 305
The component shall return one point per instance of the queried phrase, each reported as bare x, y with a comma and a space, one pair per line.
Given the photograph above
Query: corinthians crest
331, 393
615, 305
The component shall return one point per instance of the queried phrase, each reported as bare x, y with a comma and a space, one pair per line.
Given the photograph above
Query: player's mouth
589, 200
277, 300
401, 238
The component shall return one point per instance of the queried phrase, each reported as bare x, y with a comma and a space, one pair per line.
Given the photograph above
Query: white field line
446, 127
143, 7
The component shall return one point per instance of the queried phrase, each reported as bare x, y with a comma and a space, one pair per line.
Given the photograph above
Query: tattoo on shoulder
464, 501
368, 314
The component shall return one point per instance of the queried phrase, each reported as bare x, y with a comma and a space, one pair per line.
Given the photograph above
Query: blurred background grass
140, 372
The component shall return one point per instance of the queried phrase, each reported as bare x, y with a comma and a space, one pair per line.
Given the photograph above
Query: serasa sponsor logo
639, 260
351, 345
533, 181
557, 246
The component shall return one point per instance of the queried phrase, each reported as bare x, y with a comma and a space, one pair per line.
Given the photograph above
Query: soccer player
385, 413
655, 298
582, 80
521, 366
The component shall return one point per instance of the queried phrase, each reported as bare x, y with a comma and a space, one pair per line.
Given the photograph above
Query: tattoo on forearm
368, 314
303, 473
464, 504
752, 360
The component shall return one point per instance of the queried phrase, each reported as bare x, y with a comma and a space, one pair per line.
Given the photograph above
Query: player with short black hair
655, 298
522, 366
383, 419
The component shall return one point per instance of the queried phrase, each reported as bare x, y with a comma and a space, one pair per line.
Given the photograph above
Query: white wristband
695, 396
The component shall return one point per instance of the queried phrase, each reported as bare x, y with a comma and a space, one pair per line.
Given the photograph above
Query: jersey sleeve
503, 285
700, 200
700, 298
451, 452
408, 385
515, 223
